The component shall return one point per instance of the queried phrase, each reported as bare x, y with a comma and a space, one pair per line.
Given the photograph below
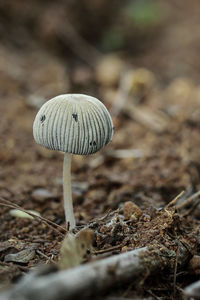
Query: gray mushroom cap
73, 123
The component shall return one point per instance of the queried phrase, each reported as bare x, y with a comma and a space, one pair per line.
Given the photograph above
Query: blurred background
141, 59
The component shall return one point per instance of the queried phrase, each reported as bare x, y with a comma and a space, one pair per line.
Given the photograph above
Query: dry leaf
23, 256
74, 248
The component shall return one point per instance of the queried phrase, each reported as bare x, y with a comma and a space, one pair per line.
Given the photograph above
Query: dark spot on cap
93, 143
82, 245
42, 118
75, 116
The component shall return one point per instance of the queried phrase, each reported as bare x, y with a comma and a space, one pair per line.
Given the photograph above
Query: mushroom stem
68, 206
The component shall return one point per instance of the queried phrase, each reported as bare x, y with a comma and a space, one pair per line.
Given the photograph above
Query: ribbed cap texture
73, 123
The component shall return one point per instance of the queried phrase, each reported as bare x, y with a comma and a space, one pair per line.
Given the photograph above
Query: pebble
41, 194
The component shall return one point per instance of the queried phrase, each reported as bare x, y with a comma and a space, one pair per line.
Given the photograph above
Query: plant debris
128, 196
20, 214
22, 257
75, 248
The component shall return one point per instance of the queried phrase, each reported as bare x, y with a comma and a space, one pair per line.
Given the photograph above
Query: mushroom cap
73, 123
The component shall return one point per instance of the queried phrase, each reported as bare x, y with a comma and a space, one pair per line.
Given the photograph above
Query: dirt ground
153, 157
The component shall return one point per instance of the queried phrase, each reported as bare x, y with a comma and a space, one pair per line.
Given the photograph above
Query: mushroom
74, 124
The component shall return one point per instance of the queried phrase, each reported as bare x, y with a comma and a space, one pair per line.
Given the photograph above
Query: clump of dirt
164, 226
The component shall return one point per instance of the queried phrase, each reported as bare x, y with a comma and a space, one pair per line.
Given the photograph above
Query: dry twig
188, 201
175, 200
192, 208
47, 222
175, 269
107, 250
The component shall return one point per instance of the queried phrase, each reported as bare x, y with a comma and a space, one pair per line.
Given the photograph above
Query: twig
174, 201
44, 255
125, 153
109, 213
125, 293
44, 220
107, 250
192, 208
34, 216
15, 205
188, 201
175, 270
153, 295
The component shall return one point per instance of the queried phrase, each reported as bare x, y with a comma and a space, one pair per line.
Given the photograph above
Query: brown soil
104, 184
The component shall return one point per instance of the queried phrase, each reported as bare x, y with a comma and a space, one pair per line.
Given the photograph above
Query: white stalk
68, 205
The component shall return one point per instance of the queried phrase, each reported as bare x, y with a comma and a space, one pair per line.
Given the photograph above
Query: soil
132, 187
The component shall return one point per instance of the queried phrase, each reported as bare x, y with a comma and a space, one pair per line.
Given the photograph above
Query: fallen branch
87, 280
193, 290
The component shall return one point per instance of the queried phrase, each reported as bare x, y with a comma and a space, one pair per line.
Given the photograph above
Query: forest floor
153, 157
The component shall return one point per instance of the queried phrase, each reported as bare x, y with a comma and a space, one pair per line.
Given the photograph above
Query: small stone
41, 194
78, 188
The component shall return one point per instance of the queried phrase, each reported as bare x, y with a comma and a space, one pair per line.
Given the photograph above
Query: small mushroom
75, 124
